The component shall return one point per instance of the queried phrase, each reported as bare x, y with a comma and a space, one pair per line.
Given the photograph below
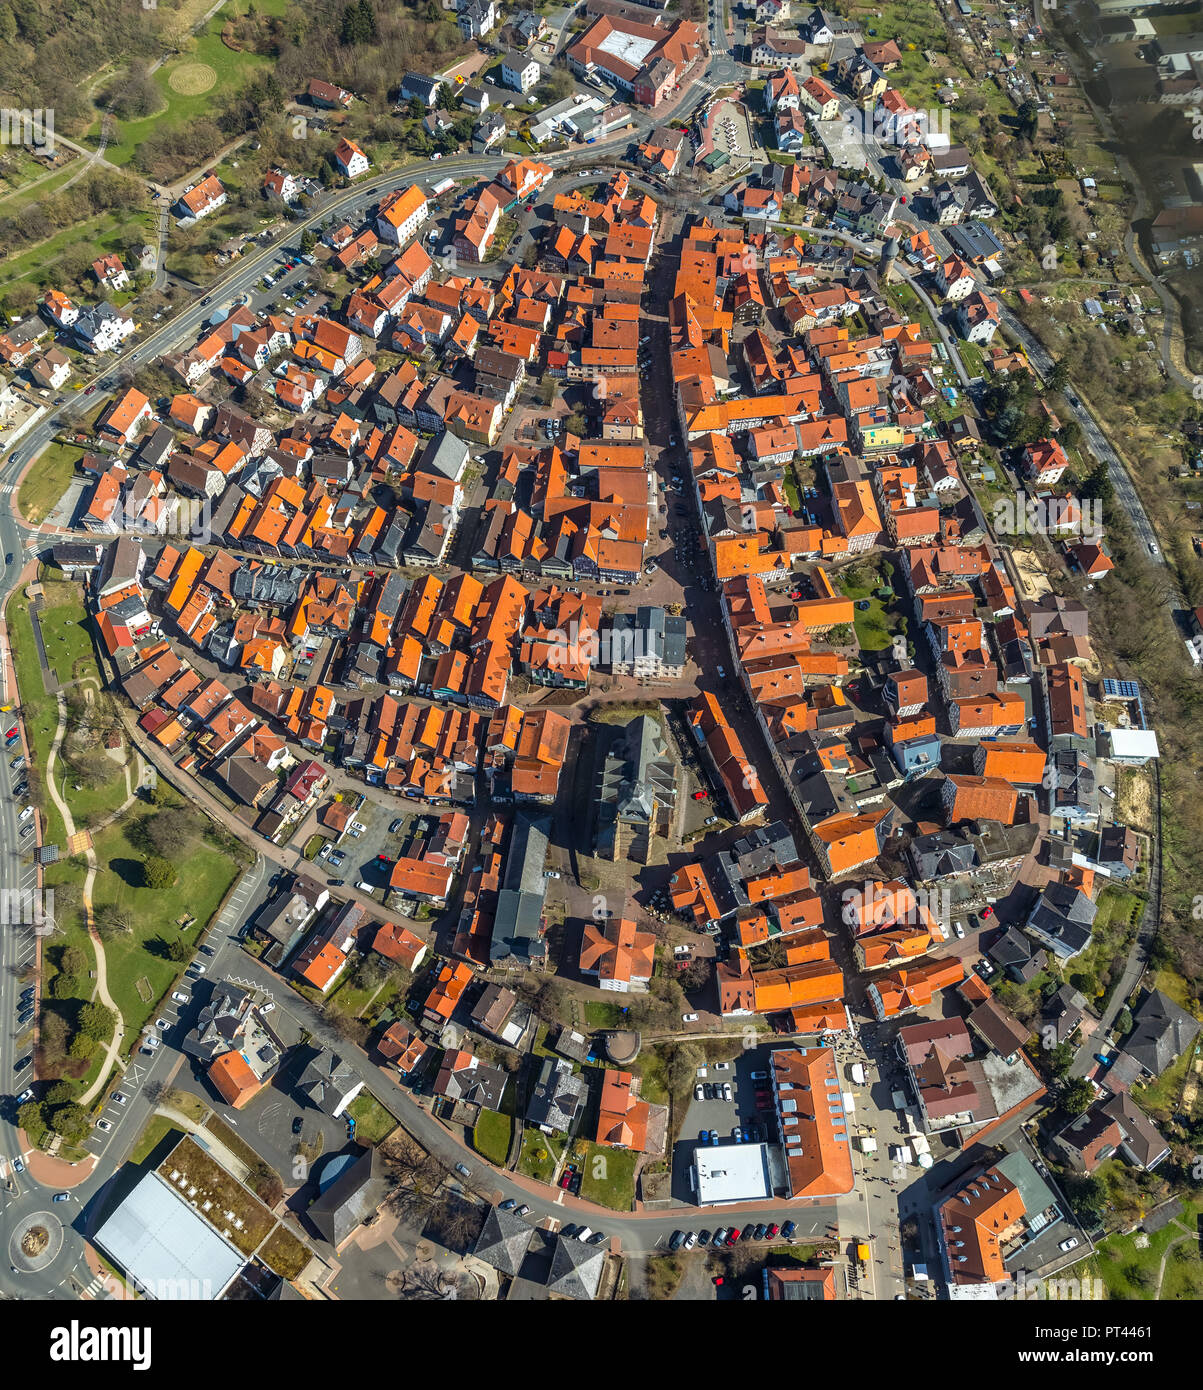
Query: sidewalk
55, 1172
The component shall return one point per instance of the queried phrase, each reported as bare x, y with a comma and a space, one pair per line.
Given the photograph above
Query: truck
863, 1254
443, 186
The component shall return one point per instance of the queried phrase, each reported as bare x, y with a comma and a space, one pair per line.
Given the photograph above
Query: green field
609, 1176
97, 236
538, 1157
47, 480
372, 1121
875, 626
491, 1138
232, 70
203, 878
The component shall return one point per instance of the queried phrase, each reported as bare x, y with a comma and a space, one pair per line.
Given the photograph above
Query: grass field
609, 1177
230, 71
538, 1158
491, 1138
204, 875
875, 625
372, 1121
47, 480
97, 236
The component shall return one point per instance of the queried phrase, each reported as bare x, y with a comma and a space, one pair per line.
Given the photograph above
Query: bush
158, 873
96, 1022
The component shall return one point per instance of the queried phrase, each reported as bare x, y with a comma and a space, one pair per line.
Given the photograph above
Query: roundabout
35, 1243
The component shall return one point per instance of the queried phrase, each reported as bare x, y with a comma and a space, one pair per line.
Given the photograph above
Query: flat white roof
1134, 743
628, 48
168, 1250
732, 1173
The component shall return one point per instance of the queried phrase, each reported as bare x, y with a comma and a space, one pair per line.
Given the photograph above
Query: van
583, 1234
364, 887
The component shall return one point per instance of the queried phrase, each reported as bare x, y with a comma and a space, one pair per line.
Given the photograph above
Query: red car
773, 1230
732, 1236
700, 796
987, 911
530, 207
566, 1177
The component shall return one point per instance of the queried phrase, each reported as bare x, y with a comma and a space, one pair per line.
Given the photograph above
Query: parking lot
355, 855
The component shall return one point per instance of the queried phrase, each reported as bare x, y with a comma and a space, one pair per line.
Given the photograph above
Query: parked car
18, 1166
522, 1210
25, 1095
689, 1018
788, 1229
104, 1126
773, 1231
508, 1205
727, 1093
691, 1239
1070, 1244
179, 997
463, 1170
61, 1197
698, 1092
676, 1240
120, 1098
732, 1236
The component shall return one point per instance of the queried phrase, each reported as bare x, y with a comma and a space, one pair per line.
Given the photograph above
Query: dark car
747, 1233
788, 1229
676, 1240
761, 1231
704, 1237
297, 1125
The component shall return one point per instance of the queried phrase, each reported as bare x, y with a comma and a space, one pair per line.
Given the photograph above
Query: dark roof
576, 1268
352, 1199
504, 1240
1162, 1034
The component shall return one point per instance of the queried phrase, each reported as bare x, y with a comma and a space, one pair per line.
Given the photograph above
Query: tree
81, 1046
1076, 1096
97, 1021
71, 1121
72, 961
63, 986
840, 635
1058, 378
57, 1092
158, 873
113, 921
30, 1117
1123, 1022
177, 949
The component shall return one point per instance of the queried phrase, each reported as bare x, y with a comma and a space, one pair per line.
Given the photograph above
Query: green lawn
372, 1121
876, 625
232, 70
609, 1176
491, 1138
156, 1130
47, 480
107, 231
538, 1158
204, 875
1130, 1273
600, 1014
67, 632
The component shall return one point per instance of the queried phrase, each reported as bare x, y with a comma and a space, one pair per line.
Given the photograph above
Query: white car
727, 1095
1070, 1244
119, 1098
178, 997
698, 1092
689, 1018
196, 968
104, 1126
26, 813
551, 873
152, 1042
